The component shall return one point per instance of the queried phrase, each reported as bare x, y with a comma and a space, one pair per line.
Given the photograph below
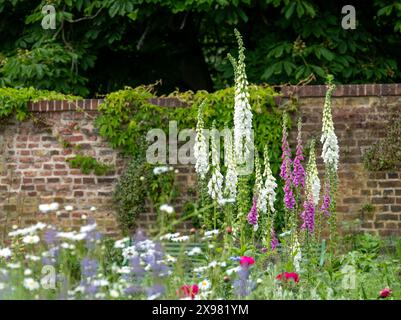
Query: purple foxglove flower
308, 216
253, 214
273, 240
289, 199
326, 202
285, 172
299, 171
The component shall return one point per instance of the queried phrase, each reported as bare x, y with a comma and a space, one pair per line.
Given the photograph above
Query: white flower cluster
194, 251
270, 182
5, 253
215, 185
201, 151
260, 193
231, 178
45, 208
166, 208
29, 230
266, 190
169, 236
242, 108
162, 169
330, 150
296, 253
77, 236
312, 177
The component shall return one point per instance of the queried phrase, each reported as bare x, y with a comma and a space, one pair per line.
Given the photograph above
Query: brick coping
347, 90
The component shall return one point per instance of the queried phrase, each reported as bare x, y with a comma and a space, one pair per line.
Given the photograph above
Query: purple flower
289, 199
134, 289
299, 171
253, 215
89, 267
91, 239
50, 236
308, 216
91, 289
273, 240
285, 172
155, 291
136, 268
235, 258
243, 286
326, 202
285, 169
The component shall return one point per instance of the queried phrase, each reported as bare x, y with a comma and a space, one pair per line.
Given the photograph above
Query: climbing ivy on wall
15, 101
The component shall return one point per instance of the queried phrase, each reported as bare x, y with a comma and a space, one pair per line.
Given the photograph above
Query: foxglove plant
259, 193
270, 182
273, 240
308, 215
231, 178
242, 108
253, 215
201, 152
285, 173
330, 151
299, 172
269, 192
326, 200
312, 191
312, 176
215, 185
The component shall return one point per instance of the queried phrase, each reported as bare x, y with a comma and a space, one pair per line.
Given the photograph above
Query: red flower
288, 275
188, 291
386, 292
246, 261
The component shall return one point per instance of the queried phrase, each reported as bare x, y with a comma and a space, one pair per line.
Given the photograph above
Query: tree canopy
100, 46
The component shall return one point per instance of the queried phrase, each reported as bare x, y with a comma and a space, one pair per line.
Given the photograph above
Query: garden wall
33, 155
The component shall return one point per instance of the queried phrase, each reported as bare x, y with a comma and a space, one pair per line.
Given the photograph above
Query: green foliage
51, 66
386, 153
15, 101
367, 244
88, 165
126, 116
129, 194
116, 43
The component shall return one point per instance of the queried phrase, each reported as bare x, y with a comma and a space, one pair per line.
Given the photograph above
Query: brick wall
33, 168
372, 200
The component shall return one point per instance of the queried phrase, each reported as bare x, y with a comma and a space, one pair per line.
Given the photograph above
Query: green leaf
300, 10
326, 53
290, 10
288, 67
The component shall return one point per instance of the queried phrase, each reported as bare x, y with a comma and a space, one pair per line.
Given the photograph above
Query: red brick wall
33, 168
360, 114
